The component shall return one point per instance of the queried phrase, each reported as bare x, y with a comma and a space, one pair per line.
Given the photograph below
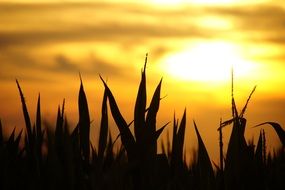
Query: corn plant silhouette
59, 156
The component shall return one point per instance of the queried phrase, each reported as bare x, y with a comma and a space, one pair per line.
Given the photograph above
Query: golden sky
191, 44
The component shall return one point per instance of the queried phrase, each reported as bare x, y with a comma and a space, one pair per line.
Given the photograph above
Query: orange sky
191, 44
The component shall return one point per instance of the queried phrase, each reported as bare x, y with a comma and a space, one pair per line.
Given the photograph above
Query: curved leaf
126, 135
278, 129
26, 115
153, 109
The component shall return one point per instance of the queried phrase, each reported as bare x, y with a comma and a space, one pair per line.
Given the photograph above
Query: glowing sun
205, 62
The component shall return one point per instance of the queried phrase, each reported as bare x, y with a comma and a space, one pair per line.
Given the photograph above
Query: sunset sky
192, 44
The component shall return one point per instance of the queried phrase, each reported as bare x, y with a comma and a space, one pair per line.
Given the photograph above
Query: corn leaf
18, 138
26, 115
206, 172
140, 106
237, 157
84, 123
181, 135
13, 144
74, 136
12, 137
159, 131
278, 129
174, 156
153, 109
126, 135
174, 134
59, 126
39, 121
103, 128
1, 134
247, 101
258, 151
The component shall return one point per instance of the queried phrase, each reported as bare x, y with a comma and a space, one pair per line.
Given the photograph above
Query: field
42, 158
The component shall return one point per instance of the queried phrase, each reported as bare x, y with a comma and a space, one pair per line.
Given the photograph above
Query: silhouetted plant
58, 156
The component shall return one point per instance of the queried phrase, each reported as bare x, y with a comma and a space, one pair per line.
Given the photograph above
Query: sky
191, 44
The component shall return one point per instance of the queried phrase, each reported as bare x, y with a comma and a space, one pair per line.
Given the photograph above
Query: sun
207, 62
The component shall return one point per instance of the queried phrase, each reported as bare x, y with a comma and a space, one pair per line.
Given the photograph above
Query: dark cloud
258, 23
27, 78
19, 63
54, 23
64, 64
97, 66
108, 32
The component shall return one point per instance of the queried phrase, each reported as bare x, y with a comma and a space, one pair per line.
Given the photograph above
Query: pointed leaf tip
159, 131
26, 113
84, 123
126, 136
145, 62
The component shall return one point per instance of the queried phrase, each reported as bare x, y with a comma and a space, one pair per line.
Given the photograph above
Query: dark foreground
41, 158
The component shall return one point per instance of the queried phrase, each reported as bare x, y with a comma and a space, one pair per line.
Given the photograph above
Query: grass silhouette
64, 159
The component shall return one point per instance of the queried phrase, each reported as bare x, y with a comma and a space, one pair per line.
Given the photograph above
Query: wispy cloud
24, 28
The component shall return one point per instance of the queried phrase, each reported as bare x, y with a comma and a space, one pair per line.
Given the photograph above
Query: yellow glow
168, 1
207, 62
213, 1
215, 22
172, 2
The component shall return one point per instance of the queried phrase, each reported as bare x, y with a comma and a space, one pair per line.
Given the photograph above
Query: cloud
25, 27
66, 22
64, 64
20, 64
95, 66
260, 22
106, 32
56, 23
